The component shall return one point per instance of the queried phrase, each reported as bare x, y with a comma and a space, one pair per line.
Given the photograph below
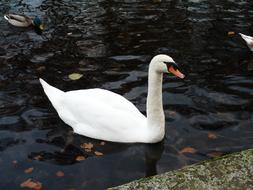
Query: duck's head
38, 24
165, 64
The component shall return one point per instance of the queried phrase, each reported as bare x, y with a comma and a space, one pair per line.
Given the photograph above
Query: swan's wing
248, 40
102, 114
106, 97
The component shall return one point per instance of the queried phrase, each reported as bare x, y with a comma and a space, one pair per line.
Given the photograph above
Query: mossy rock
233, 171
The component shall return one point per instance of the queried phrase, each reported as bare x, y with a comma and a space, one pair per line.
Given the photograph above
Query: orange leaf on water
231, 33
87, 146
31, 184
29, 170
188, 150
80, 158
60, 173
98, 153
212, 135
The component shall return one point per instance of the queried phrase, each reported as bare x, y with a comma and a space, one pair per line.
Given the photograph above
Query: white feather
248, 40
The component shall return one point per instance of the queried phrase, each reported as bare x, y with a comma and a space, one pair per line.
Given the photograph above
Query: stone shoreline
232, 171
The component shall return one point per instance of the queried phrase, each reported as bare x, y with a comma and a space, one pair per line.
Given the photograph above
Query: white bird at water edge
105, 115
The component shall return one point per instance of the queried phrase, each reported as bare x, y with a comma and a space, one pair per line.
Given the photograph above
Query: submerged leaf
75, 76
214, 154
80, 158
188, 150
38, 157
31, 184
60, 173
15, 162
212, 135
98, 153
29, 170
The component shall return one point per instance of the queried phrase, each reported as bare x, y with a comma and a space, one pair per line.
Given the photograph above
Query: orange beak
176, 72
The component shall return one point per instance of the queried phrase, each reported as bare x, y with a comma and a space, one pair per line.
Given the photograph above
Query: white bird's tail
248, 40
6, 17
55, 95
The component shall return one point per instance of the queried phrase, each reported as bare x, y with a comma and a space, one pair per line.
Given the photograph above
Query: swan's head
165, 64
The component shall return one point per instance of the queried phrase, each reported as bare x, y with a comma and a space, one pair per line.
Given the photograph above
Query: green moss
233, 171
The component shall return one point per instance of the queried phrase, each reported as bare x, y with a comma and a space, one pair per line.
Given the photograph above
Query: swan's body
248, 40
104, 115
24, 21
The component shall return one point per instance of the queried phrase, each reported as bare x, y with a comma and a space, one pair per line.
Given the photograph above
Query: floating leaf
80, 158
41, 68
188, 150
98, 153
38, 157
212, 135
31, 184
214, 154
75, 76
60, 174
15, 162
87, 146
231, 33
29, 170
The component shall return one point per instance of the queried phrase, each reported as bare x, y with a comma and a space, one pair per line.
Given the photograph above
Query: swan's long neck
155, 114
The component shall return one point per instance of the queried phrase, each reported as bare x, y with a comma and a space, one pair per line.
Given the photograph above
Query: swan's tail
55, 95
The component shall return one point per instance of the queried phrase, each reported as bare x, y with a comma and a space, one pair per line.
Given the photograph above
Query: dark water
111, 43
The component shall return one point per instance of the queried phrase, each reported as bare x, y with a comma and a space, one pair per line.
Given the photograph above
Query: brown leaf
38, 157
31, 184
98, 153
60, 173
15, 162
102, 143
231, 33
212, 135
188, 150
214, 154
41, 68
29, 170
87, 146
80, 158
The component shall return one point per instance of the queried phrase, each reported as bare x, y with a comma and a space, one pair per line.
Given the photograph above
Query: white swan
102, 114
248, 40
